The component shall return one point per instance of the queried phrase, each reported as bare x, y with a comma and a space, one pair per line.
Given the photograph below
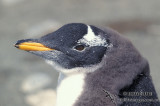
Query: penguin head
71, 46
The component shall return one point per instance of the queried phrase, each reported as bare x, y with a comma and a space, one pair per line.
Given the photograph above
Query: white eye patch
91, 39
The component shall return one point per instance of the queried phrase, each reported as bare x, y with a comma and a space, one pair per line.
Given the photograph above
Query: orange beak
32, 46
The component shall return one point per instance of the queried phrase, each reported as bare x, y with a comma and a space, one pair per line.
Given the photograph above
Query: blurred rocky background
26, 80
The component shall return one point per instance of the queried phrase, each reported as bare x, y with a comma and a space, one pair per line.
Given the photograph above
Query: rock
35, 82
11, 2
42, 28
154, 29
42, 98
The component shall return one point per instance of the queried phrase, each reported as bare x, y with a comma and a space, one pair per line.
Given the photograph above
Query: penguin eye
79, 47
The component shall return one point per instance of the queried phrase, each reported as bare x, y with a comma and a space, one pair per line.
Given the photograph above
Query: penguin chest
69, 89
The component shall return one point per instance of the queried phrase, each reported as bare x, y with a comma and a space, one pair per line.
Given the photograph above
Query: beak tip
17, 46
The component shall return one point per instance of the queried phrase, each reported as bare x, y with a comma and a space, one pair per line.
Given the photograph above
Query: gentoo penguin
97, 67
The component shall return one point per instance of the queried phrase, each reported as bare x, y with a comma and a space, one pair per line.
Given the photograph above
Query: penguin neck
70, 87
